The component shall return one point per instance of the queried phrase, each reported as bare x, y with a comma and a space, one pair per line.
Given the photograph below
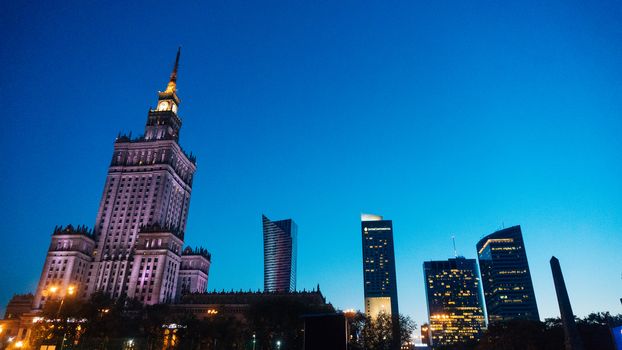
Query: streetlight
254, 340
278, 345
71, 290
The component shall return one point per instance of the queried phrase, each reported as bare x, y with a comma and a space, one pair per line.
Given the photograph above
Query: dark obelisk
572, 339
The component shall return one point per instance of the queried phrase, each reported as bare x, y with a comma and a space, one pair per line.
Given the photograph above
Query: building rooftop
197, 251
249, 297
71, 230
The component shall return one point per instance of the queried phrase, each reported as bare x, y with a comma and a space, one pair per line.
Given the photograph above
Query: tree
378, 334
58, 322
514, 335
594, 329
280, 320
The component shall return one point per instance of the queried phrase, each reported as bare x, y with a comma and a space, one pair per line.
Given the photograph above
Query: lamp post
278, 345
71, 290
254, 340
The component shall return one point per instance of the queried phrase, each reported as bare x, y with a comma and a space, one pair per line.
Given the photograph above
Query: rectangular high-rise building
279, 254
506, 279
380, 282
455, 306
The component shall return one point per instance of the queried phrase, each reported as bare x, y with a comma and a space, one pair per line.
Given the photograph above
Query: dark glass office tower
506, 279
378, 266
279, 255
455, 306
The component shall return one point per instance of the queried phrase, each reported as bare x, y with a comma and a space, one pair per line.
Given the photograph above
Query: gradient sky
447, 117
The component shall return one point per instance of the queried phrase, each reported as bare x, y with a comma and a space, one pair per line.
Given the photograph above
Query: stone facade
66, 266
194, 271
135, 247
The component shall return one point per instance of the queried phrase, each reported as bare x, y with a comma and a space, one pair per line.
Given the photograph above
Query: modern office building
135, 249
455, 305
279, 255
506, 279
380, 283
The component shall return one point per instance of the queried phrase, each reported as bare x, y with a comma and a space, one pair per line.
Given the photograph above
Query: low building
240, 304
17, 329
18, 305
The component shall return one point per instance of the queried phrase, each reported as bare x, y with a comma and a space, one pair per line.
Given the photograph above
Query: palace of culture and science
136, 246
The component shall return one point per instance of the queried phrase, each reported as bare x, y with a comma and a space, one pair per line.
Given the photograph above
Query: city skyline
351, 120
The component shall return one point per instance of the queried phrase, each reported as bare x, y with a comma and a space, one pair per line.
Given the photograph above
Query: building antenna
453, 238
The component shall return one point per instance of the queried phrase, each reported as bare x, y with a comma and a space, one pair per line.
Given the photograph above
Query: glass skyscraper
506, 279
455, 306
279, 255
380, 284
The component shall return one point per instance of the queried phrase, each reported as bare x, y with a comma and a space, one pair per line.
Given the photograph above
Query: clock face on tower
163, 106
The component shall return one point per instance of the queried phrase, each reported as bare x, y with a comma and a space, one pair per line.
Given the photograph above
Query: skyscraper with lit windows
380, 282
455, 306
279, 253
506, 279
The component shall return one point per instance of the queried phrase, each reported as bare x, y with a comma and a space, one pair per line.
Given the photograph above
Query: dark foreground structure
325, 332
572, 338
241, 305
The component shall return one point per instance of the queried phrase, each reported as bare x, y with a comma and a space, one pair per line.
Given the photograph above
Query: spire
172, 84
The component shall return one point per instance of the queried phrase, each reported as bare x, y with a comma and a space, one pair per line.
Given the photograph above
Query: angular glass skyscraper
455, 306
378, 266
279, 255
506, 279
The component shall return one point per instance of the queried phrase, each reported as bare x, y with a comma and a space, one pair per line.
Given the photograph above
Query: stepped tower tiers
142, 216
194, 271
70, 255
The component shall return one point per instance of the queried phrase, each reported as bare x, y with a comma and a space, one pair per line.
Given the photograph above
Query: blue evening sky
448, 117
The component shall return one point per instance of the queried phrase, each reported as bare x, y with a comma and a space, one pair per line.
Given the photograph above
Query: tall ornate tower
142, 214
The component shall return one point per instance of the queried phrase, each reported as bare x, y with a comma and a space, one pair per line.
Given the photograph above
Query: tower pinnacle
172, 84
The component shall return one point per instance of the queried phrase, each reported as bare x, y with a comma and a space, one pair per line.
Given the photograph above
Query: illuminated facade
279, 255
194, 271
506, 279
135, 248
454, 299
380, 283
67, 263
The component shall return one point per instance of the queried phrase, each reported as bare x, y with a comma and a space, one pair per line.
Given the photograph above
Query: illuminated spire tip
172, 84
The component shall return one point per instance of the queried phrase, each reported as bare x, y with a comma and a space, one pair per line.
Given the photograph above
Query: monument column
572, 338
